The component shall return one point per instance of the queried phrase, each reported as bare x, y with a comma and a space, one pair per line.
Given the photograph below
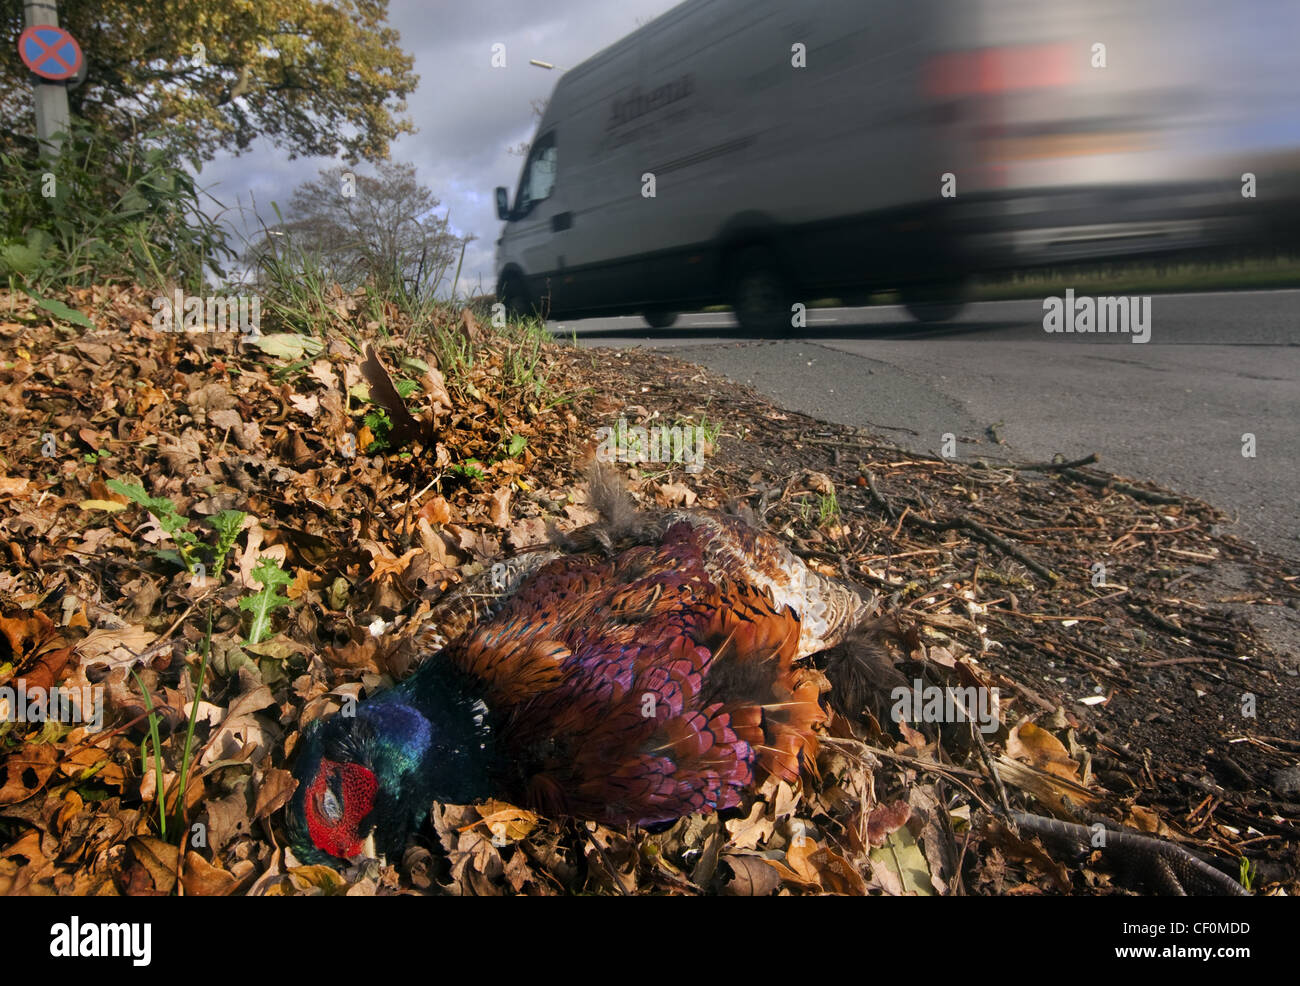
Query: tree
384, 229
539, 110
316, 78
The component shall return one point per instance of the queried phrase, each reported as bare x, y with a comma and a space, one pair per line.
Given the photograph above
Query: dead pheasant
651, 670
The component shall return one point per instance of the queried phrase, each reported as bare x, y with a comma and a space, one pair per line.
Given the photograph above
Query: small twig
960, 522
899, 525
1102, 599
1174, 628
1111, 483
1046, 617
97, 737
1057, 465
932, 766
993, 771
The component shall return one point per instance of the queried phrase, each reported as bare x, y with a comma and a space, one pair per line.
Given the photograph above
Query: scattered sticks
960, 522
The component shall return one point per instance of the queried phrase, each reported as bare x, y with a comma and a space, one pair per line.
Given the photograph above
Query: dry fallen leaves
211, 427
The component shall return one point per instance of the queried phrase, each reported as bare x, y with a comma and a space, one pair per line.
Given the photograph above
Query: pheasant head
366, 781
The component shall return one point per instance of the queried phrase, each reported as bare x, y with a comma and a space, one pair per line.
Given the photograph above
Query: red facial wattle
356, 787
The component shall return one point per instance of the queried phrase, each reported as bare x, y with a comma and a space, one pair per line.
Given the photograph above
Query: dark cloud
467, 112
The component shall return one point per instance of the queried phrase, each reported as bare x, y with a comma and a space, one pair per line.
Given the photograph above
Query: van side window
539, 175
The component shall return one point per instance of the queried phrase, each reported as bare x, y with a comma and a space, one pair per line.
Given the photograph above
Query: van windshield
539, 176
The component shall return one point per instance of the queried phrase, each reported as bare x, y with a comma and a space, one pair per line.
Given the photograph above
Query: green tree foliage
315, 78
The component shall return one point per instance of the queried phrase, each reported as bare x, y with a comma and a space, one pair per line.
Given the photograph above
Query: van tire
931, 303
514, 296
659, 318
761, 295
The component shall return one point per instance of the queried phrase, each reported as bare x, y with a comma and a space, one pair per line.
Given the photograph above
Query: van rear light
989, 71
972, 91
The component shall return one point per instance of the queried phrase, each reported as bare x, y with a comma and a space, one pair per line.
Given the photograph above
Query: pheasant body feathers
635, 686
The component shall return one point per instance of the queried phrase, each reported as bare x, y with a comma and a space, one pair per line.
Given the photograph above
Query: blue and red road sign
50, 52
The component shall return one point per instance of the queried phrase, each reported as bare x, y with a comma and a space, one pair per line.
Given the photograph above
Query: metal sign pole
51, 97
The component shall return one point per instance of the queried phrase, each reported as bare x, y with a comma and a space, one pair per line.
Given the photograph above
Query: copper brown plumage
644, 686
651, 671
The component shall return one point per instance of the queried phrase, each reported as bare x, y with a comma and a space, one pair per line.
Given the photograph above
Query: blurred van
746, 152
763, 153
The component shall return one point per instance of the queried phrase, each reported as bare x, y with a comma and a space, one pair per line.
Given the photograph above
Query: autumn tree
315, 78
383, 229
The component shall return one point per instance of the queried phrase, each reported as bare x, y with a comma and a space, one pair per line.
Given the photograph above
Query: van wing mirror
503, 203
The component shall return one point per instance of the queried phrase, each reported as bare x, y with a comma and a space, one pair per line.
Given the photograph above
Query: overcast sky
467, 114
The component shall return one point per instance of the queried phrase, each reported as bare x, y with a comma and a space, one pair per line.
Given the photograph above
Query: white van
760, 153
745, 152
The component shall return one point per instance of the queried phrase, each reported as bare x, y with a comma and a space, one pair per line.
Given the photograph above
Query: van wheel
934, 302
658, 318
514, 296
761, 295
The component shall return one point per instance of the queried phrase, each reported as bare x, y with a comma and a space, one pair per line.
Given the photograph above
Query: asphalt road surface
1172, 410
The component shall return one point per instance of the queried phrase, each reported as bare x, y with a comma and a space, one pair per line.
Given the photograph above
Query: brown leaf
26, 771
1049, 788
499, 511
885, 819
469, 326
435, 385
747, 833
383, 562
33, 645
504, 822
300, 585
27, 863
1029, 852
798, 858
1146, 820
1043, 750
158, 859
323, 373
273, 792
317, 881
361, 653
675, 495
227, 818
435, 510
405, 427
46, 669
518, 873
475, 853
747, 876
201, 879
140, 603
838, 876
114, 648
84, 759
439, 545
240, 728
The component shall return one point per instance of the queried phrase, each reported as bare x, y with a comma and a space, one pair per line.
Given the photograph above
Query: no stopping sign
50, 52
